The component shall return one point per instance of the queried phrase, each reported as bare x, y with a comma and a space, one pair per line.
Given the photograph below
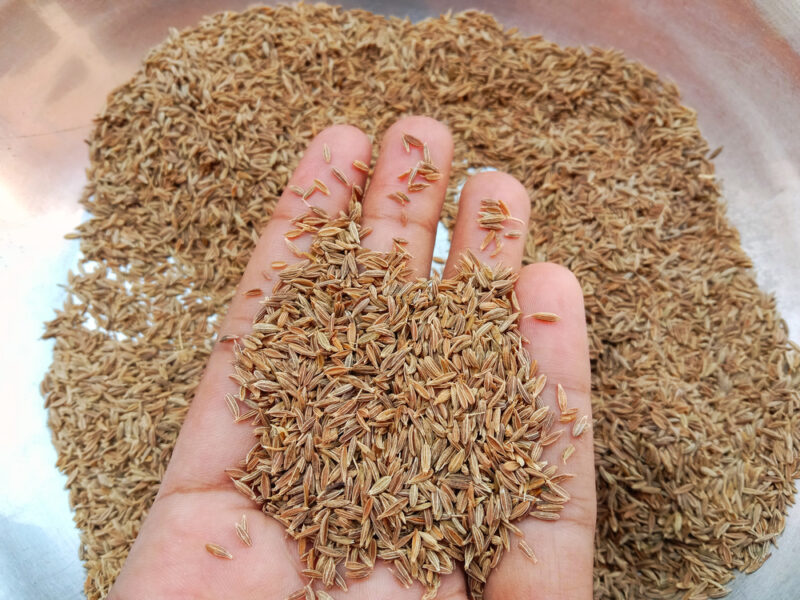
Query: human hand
197, 503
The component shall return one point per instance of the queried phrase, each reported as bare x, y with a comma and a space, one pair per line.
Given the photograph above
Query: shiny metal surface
737, 63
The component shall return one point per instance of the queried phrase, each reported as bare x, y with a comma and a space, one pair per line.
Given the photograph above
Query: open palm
197, 503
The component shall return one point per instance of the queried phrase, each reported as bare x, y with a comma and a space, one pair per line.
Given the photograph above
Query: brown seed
361, 166
580, 426
410, 140
562, 398
326, 153
218, 551
253, 292
278, 264
545, 316
380, 485
340, 176
320, 185
399, 197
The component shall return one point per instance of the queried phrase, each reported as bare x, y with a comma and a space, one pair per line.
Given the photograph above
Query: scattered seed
253, 292
326, 153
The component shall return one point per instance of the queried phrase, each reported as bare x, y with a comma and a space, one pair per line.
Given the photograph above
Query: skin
197, 502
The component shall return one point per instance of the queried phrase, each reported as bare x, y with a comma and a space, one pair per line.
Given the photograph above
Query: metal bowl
737, 64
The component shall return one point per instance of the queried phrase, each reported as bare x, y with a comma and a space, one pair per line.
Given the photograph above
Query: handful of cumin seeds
395, 419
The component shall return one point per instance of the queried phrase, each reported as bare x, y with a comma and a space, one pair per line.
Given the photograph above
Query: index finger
210, 441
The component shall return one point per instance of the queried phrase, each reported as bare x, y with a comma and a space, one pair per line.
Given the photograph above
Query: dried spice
695, 384
421, 425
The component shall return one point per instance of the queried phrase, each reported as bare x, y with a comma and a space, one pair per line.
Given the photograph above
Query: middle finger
406, 193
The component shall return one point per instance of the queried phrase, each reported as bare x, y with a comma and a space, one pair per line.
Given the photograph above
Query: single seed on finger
419, 186
233, 406
412, 140
528, 551
278, 264
361, 166
253, 292
580, 426
326, 153
503, 208
218, 551
562, 398
544, 316
296, 189
340, 176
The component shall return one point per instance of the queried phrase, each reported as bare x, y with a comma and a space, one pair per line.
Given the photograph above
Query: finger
504, 245
385, 209
564, 547
210, 441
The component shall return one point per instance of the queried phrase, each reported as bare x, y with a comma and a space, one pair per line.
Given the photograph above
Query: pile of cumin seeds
395, 419
695, 384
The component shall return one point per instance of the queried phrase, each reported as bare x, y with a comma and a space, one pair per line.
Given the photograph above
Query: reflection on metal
59, 59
